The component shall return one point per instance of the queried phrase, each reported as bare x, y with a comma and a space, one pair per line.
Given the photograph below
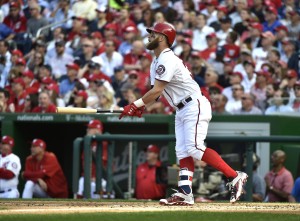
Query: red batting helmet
166, 29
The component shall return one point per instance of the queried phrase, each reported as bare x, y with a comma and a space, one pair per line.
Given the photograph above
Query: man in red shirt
32, 85
43, 174
15, 20
45, 104
18, 94
94, 127
146, 185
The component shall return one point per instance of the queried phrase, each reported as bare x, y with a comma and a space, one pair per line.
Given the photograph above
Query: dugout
60, 130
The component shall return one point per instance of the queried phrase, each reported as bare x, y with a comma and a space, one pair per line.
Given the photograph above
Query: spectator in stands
61, 12
87, 51
279, 181
258, 183
18, 94
259, 89
94, 127
248, 107
15, 20
123, 20
259, 54
32, 85
74, 33
232, 51
279, 103
98, 42
36, 21
296, 191
235, 103
70, 96
224, 31
100, 22
169, 13
234, 78
249, 78
45, 104
258, 10
218, 102
212, 43
111, 58
254, 39
143, 74
200, 33
132, 59
53, 91
147, 186
242, 27
129, 35
80, 98
43, 174
44, 71
281, 34
198, 67
291, 54
210, 11
118, 80
211, 79
9, 169
288, 84
31, 102
296, 103
68, 84
294, 25
148, 21
59, 60
240, 5
5, 106
85, 9
271, 19
106, 100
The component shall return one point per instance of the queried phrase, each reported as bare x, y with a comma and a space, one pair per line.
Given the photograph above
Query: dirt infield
64, 207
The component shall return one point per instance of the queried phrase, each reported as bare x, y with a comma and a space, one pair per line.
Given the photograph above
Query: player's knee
196, 153
29, 184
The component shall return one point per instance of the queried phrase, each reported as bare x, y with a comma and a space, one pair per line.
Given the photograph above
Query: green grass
159, 216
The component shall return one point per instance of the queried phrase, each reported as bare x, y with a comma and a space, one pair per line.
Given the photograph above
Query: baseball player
43, 174
170, 77
10, 167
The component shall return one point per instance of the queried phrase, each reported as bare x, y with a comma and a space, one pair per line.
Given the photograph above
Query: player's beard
153, 44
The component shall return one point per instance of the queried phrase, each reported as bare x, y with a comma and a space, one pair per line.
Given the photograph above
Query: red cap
211, 2
21, 61
257, 26
222, 8
297, 83
196, 54
133, 72
95, 124
38, 143
211, 35
291, 74
17, 52
272, 9
53, 87
73, 66
14, 4
147, 55
28, 74
94, 77
8, 140
286, 41
268, 34
96, 34
83, 94
153, 148
47, 80
187, 33
238, 74
111, 26
130, 29
266, 74
187, 41
19, 81
281, 27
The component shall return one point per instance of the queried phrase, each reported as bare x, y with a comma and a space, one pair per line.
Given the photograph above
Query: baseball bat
79, 110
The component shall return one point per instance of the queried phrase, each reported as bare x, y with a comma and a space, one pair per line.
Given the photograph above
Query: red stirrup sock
213, 159
186, 174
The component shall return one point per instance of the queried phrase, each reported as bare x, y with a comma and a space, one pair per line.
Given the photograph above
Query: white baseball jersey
10, 162
168, 67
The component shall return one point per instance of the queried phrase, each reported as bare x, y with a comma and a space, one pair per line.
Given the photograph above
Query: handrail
167, 137
50, 26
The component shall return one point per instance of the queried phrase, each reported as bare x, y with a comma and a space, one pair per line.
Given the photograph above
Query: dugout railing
133, 140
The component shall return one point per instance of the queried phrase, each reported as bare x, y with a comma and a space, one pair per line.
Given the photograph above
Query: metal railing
251, 140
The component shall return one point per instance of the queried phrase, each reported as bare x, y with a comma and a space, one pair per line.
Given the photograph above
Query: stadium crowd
243, 54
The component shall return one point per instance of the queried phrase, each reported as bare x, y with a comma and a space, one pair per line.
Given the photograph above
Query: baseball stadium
150, 109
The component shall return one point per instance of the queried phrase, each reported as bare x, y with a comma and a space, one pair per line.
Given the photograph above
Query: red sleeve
51, 165
51, 109
6, 174
30, 175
